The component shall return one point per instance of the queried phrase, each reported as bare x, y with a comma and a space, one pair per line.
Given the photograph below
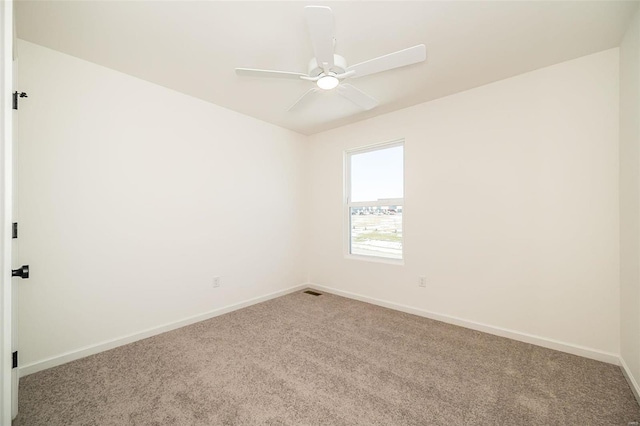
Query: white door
7, 382
15, 254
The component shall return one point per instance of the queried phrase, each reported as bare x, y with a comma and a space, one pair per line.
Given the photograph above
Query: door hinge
15, 98
15, 360
14, 230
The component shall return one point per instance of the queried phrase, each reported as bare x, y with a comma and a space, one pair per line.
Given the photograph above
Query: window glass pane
377, 175
376, 231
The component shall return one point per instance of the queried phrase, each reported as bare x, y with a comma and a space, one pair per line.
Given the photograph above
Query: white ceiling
193, 47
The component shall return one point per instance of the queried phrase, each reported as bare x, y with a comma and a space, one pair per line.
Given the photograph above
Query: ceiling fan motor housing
339, 66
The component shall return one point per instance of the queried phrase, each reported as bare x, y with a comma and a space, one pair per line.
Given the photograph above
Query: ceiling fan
328, 70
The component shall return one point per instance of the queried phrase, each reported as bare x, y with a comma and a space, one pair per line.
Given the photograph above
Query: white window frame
348, 204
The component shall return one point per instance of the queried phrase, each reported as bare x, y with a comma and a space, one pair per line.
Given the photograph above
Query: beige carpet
327, 360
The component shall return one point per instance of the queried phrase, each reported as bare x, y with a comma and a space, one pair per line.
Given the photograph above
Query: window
374, 200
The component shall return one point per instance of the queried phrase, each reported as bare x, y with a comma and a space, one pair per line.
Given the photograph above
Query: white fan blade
305, 97
397, 59
320, 23
357, 96
249, 72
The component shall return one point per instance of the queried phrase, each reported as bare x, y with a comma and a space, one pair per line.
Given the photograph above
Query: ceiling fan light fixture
328, 82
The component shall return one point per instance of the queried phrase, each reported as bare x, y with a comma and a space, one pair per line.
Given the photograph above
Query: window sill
375, 259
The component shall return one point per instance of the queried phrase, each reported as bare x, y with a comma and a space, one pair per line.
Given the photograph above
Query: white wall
511, 205
143, 194
132, 197
630, 199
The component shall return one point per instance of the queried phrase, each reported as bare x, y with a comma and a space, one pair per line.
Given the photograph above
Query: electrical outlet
216, 282
422, 281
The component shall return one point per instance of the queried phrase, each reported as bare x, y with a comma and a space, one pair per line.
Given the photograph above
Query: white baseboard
498, 331
630, 379
25, 370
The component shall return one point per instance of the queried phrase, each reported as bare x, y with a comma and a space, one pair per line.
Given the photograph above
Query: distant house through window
374, 200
